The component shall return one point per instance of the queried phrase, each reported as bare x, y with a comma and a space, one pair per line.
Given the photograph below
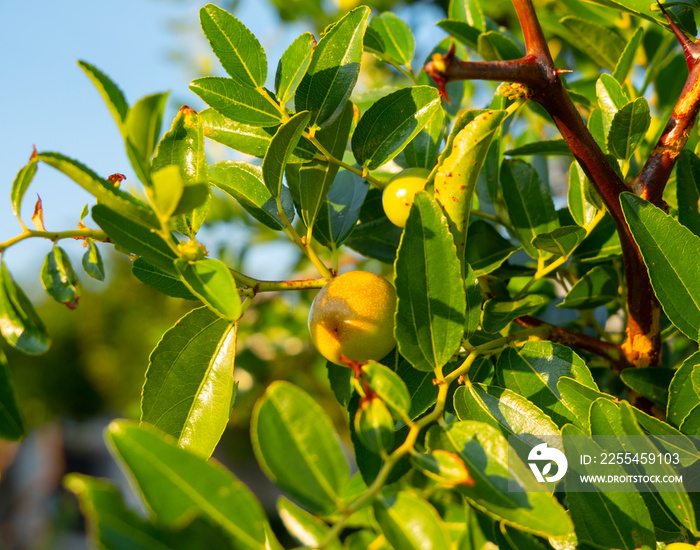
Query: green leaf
486, 249
474, 301
613, 519
142, 128
375, 236
498, 313
601, 44
640, 8
250, 140
467, 10
410, 523
11, 423
420, 387
239, 52
334, 68
92, 261
624, 63
338, 215
683, 395
281, 147
485, 453
176, 483
562, 241
534, 370
239, 103
19, 323
134, 238
601, 244
168, 188
691, 423
677, 501
464, 32
112, 526
189, 381
59, 279
388, 125
293, 66
666, 246
423, 150
306, 528
22, 180
529, 204
396, 37
581, 205
244, 182
162, 281
495, 46
429, 321
310, 183
211, 281
298, 449
457, 174
577, 398
389, 387
597, 127
103, 190
597, 287
552, 147
688, 190
611, 98
628, 128
505, 410
110, 92
183, 146
650, 383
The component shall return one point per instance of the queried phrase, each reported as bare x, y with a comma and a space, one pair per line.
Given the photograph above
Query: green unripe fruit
353, 316
373, 425
399, 194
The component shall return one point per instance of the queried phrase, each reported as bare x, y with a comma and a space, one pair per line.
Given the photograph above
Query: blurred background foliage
95, 368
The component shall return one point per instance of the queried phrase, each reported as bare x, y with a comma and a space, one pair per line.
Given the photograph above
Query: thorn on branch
690, 48
437, 67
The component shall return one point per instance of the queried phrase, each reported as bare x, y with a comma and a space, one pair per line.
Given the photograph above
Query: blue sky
50, 103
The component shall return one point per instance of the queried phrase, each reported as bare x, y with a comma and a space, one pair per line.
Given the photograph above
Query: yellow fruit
680, 546
353, 316
399, 194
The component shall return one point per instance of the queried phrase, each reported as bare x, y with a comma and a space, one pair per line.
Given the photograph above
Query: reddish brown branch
652, 179
612, 353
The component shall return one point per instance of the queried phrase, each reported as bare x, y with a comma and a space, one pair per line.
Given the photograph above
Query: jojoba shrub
557, 168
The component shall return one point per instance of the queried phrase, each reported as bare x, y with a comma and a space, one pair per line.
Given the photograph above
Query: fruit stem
84, 233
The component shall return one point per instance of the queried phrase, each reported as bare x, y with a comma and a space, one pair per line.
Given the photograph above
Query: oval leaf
22, 180
498, 313
211, 281
529, 204
597, 287
59, 278
666, 246
239, 52
239, 103
189, 381
431, 296
176, 483
334, 68
306, 528
410, 523
281, 147
683, 393
628, 128
534, 370
293, 66
19, 323
396, 37
562, 241
297, 447
390, 123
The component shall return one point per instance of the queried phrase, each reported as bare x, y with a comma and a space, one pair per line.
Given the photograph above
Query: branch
608, 351
652, 179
